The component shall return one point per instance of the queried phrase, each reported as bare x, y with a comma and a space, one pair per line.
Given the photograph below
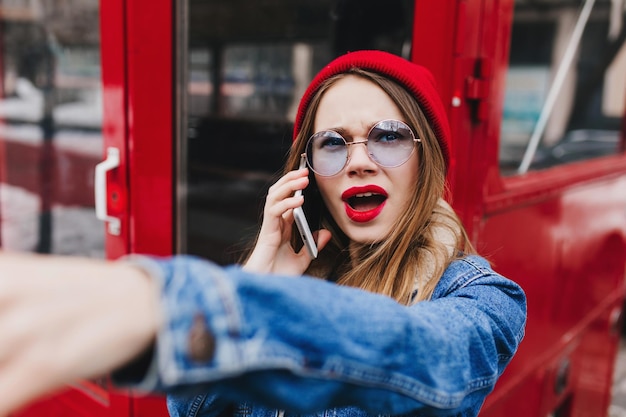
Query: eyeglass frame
364, 141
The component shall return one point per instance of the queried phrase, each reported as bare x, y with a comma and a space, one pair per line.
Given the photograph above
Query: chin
367, 238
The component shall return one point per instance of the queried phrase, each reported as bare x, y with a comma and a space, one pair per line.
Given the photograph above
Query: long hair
425, 238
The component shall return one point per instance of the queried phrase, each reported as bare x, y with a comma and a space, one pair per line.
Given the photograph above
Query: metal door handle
100, 188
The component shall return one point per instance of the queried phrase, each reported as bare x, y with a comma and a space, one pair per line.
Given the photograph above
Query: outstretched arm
63, 319
302, 344
305, 345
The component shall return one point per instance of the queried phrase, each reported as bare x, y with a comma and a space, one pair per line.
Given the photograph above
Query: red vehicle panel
181, 79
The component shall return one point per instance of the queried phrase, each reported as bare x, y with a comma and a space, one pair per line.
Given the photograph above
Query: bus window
566, 110
50, 127
247, 64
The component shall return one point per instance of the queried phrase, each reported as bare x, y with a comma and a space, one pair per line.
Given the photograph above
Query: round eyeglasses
390, 143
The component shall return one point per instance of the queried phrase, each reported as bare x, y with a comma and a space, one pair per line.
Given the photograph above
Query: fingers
279, 203
280, 196
300, 261
322, 237
273, 251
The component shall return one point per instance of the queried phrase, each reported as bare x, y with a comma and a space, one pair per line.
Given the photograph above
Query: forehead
354, 104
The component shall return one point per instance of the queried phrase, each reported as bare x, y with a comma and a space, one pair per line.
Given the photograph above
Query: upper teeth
364, 195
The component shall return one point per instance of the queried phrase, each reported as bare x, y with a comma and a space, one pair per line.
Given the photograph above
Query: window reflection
586, 118
200, 86
50, 126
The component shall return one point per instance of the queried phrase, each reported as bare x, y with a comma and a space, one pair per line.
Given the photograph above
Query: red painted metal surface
439, 20
560, 233
138, 113
566, 246
113, 53
84, 399
149, 37
137, 75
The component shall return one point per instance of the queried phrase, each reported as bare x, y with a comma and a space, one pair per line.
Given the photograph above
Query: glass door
243, 70
51, 139
83, 82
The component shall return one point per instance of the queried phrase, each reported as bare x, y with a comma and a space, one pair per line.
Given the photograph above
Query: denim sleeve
304, 344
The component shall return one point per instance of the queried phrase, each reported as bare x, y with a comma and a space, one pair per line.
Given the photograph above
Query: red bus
169, 119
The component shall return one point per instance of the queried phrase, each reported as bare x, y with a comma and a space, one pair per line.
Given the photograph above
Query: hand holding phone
301, 222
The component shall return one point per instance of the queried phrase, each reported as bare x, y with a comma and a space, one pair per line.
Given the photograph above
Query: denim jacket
312, 347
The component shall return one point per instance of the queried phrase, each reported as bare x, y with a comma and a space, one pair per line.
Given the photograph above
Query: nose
359, 160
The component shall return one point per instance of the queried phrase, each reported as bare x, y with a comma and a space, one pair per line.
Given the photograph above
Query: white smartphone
302, 224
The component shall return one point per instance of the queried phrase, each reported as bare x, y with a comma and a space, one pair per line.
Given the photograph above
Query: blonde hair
425, 239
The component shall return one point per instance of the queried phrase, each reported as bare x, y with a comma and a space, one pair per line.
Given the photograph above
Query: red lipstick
364, 203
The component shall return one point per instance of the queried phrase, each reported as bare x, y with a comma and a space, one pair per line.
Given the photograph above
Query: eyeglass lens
390, 143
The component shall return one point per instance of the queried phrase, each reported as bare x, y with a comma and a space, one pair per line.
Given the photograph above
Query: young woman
376, 142
402, 317
378, 177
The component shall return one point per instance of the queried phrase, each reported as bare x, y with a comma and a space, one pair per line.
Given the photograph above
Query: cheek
407, 181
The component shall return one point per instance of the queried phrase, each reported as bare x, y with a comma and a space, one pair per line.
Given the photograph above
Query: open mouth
366, 201
364, 204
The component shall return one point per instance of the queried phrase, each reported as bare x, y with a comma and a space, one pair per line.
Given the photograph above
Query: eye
386, 136
330, 142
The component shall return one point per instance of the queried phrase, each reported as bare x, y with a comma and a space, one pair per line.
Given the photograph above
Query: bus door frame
137, 50
137, 73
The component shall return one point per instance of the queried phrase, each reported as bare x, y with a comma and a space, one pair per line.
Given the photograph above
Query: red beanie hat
416, 79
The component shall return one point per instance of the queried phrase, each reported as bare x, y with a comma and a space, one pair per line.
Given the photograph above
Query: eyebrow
345, 133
